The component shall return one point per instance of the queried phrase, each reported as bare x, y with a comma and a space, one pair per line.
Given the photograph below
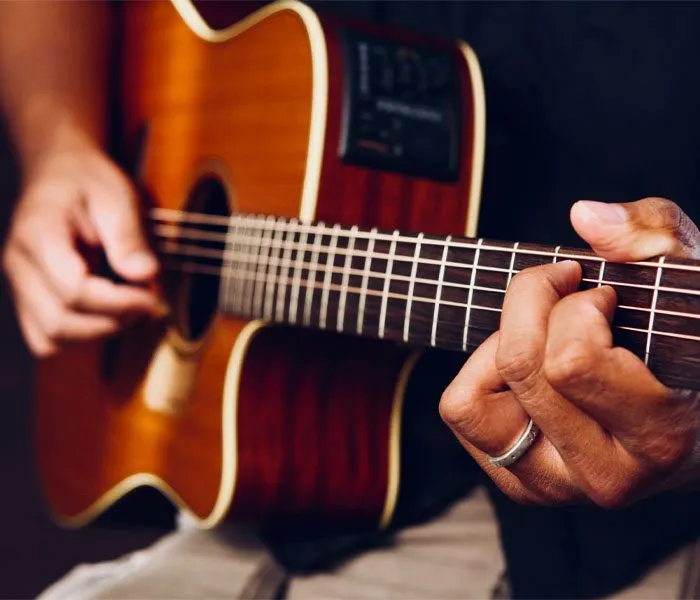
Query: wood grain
311, 422
247, 104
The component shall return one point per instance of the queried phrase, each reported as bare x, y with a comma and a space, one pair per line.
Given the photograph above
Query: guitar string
296, 227
389, 277
264, 221
191, 250
197, 269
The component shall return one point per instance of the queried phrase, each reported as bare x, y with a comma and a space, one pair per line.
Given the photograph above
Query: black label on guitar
402, 107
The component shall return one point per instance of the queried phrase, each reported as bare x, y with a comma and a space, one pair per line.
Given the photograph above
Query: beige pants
454, 556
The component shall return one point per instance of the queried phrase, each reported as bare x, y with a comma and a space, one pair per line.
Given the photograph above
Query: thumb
115, 214
636, 230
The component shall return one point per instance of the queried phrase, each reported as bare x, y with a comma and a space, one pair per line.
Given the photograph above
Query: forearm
53, 74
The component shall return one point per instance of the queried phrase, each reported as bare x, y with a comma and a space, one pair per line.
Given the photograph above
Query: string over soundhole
192, 259
195, 252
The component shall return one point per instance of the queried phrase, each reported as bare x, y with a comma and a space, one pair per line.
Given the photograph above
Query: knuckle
54, 325
517, 362
23, 233
612, 492
71, 292
667, 452
449, 407
43, 349
569, 365
460, 408
666, 214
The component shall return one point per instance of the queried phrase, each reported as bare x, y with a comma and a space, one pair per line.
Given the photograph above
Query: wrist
48, 132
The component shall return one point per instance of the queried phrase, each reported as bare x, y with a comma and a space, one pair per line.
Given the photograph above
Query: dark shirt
584, 101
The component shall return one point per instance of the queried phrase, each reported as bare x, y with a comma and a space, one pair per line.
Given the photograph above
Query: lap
455, 555
184, 564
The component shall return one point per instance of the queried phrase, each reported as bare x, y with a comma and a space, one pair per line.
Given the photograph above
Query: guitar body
235, 419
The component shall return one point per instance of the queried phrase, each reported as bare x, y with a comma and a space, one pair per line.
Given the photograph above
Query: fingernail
610, 214
141, 262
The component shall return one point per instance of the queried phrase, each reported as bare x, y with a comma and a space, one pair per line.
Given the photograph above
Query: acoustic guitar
312, 187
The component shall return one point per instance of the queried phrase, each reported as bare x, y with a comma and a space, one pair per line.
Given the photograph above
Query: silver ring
520, 447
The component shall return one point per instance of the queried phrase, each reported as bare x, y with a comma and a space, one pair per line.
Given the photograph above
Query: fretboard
426, 290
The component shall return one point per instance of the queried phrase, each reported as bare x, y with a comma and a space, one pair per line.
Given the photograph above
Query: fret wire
511, 271
556, 251
378, 293
398, 296
600, 273
246, 257
197, 268
438, 294
282, 294
312, 276
653, 308
481, 288
423, 300
294, 292
472, 245
330, 264
470, 296
467, 266
256, 247
238, 293
411, 285
387, 282
238, 259
346, 277
259, 287
478, 288
226, 283
248, 294
365, 278
270, 283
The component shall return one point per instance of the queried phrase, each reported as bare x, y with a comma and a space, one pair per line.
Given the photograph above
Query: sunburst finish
275, 422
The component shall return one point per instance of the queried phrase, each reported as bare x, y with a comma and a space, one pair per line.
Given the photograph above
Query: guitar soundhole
204, 240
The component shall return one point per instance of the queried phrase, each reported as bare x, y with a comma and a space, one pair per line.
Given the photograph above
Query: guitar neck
434, 291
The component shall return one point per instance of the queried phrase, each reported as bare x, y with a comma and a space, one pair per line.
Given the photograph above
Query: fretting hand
609, 431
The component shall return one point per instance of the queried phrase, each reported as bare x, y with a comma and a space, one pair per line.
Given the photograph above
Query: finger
36, 341
52, 249
55, 321
479, 407
523, 332
581, 442
512, 486
102, 296
610, 383
636, 230
117, 221
39, 345
487, 419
